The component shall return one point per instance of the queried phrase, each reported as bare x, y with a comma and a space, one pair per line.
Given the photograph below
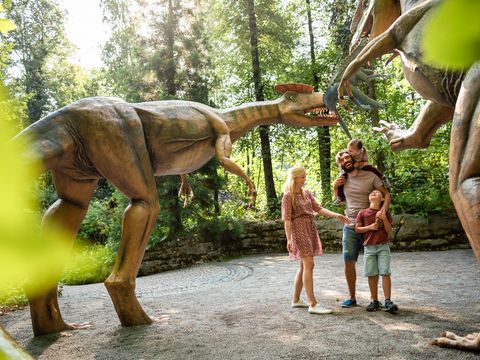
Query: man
359, 185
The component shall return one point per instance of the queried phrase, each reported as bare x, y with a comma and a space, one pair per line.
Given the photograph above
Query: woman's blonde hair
289, 186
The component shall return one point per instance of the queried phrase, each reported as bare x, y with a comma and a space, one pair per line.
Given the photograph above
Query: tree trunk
378, 155
170, 40
323, 132
263, 130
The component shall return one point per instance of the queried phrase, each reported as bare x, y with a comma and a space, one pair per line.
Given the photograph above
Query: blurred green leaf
27, 255
452, 36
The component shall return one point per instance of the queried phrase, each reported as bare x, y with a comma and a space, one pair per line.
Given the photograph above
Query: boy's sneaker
349, 303
374, 306
390, 306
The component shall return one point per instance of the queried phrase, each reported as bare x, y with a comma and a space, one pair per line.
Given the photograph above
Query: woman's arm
331, 214
288, 233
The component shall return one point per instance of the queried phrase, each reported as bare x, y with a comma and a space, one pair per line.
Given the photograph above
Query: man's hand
339, 181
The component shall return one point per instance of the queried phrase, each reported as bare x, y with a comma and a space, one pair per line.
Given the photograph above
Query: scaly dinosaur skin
130, 144
397, 25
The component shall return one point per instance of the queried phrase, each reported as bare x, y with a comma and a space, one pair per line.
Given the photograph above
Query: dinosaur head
372, 18
300, 106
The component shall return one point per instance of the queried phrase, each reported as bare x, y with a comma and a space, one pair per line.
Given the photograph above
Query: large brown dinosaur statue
129, 144
397, 26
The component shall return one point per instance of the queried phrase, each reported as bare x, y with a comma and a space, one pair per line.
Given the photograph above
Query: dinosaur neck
243, 118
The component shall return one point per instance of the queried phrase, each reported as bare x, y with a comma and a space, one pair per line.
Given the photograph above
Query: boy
376, 227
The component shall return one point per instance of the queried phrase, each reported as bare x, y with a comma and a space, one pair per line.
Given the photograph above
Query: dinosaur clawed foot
470, 342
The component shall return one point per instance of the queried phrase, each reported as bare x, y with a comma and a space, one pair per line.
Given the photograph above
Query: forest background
221, 53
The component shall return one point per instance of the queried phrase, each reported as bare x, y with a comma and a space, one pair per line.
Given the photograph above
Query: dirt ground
240, 309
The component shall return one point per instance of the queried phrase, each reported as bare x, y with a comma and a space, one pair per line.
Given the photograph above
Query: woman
299, 208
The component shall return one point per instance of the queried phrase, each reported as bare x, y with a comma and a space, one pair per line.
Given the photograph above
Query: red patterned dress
305, 238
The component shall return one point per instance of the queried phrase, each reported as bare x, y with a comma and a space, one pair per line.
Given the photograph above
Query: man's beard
350, 169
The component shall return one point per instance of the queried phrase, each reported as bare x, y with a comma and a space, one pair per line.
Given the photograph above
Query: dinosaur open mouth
318, 112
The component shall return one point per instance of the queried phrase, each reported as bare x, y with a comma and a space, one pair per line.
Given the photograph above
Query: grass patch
88, 264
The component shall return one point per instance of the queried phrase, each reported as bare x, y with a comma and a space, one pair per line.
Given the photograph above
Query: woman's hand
342, 218
289, 245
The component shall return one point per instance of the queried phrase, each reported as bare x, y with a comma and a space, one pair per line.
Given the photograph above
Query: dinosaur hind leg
68, 212
129, 169
465, 181
465, 158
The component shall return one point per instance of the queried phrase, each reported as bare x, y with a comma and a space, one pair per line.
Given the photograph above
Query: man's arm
387, 225
386, 199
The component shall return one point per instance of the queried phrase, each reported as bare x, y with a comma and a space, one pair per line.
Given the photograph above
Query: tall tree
253, 50
259, 96
126, 53
323, 133
38, 36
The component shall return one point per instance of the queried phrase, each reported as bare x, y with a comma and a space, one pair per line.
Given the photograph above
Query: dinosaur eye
292, 97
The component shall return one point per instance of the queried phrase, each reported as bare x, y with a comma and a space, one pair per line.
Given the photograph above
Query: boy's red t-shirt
374, 237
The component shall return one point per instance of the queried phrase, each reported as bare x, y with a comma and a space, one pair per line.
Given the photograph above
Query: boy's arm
363, 229
360, 228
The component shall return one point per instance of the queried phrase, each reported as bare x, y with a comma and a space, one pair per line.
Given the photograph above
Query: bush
88, 264
221, 228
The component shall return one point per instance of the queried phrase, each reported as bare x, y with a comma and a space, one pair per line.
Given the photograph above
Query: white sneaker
299, 304
318, 309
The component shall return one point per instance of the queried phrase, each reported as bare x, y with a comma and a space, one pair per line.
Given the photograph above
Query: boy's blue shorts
351, 244
377, 260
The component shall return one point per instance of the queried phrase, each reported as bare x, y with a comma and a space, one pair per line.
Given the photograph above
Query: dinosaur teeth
318, 111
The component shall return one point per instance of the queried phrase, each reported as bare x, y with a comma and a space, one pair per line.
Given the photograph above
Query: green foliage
13, 296
457, 45
223, 229
88, 264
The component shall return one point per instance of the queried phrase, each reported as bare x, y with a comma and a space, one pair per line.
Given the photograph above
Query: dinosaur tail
45, 141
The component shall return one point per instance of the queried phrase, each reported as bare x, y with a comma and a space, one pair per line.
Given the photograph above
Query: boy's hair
376, 190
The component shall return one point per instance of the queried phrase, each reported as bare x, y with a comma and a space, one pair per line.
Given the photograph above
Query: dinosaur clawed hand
471, 342
399, 139
253, 194
185, 191
344, 84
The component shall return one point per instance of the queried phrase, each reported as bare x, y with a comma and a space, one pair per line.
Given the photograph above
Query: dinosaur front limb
364, 100
185, 190
384, 43
432, 116
223, 149
471, 342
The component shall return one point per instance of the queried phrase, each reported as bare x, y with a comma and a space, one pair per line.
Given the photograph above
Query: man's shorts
351, 244
377, 260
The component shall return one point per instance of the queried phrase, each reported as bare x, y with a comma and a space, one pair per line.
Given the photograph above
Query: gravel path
240, 310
